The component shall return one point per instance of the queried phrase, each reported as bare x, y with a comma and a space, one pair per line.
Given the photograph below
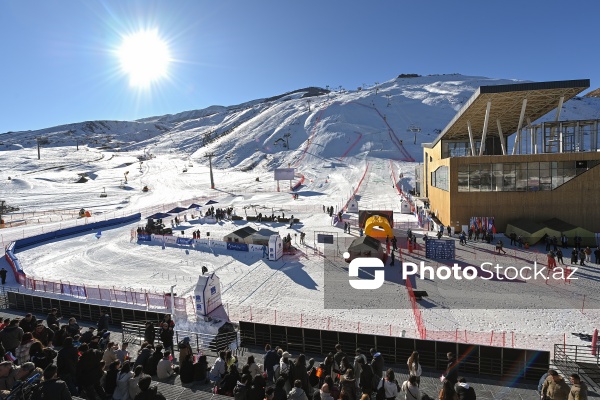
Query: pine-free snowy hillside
315, 123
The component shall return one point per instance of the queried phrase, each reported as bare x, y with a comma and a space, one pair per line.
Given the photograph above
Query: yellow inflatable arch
377, 221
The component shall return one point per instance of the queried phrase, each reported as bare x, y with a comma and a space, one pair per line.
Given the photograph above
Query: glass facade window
496, 177
509, 178
485, 177
463, 178
533, 177
524, 177
439, 178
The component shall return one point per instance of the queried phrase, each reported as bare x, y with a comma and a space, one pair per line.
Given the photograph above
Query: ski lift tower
415, 129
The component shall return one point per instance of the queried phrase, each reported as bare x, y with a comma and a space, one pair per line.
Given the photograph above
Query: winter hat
286, 354
186, 339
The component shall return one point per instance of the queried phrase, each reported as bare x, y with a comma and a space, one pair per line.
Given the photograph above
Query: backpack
381, 390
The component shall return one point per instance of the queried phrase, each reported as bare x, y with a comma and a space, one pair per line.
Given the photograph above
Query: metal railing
578, 359
205, 343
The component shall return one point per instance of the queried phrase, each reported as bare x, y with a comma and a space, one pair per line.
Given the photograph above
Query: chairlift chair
104, 194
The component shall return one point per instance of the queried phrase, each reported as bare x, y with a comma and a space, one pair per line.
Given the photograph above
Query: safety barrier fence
315, 321
581, 360
516, 364
201, 343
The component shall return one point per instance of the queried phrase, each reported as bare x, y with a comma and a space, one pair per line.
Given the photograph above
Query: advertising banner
202, 242
188, 241
237, 246
170, 239
142, 237
259, 248
218, 244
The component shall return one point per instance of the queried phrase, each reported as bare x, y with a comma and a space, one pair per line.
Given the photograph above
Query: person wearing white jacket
284, 370
389, 384
123, 377
255, 369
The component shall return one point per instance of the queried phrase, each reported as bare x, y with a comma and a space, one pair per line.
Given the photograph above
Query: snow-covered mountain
256, 134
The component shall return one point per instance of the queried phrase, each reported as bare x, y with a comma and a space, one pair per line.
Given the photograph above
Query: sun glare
144, 56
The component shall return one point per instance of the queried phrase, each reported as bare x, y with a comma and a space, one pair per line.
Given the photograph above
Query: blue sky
59, 62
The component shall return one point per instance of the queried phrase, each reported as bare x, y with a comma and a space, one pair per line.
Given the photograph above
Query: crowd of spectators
53, 360
58, 361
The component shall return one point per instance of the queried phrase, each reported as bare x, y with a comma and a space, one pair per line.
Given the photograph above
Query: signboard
237, 246
284, 174
142, 237
439, 249
207, 294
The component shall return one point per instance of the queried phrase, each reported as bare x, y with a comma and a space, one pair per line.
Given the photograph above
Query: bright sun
144, 57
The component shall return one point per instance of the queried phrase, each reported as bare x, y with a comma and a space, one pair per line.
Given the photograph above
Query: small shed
261, 237
365, 246
242, 235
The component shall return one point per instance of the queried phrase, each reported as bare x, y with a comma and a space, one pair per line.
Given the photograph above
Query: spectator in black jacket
166, 336
66, 362
271, 360
103, 321
52, 387
11, 336
28, 323
89, 372
148, 392
366, 377
377, 363
464, 390
152, 363
43, 334
150, 333
279, 393
73, 327
451, 372
144, 354
52, 320
229, 381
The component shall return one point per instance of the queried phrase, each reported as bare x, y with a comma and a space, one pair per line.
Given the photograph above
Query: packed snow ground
331, 143
293, 285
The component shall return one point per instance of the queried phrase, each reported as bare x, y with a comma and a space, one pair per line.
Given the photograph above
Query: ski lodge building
547, 170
